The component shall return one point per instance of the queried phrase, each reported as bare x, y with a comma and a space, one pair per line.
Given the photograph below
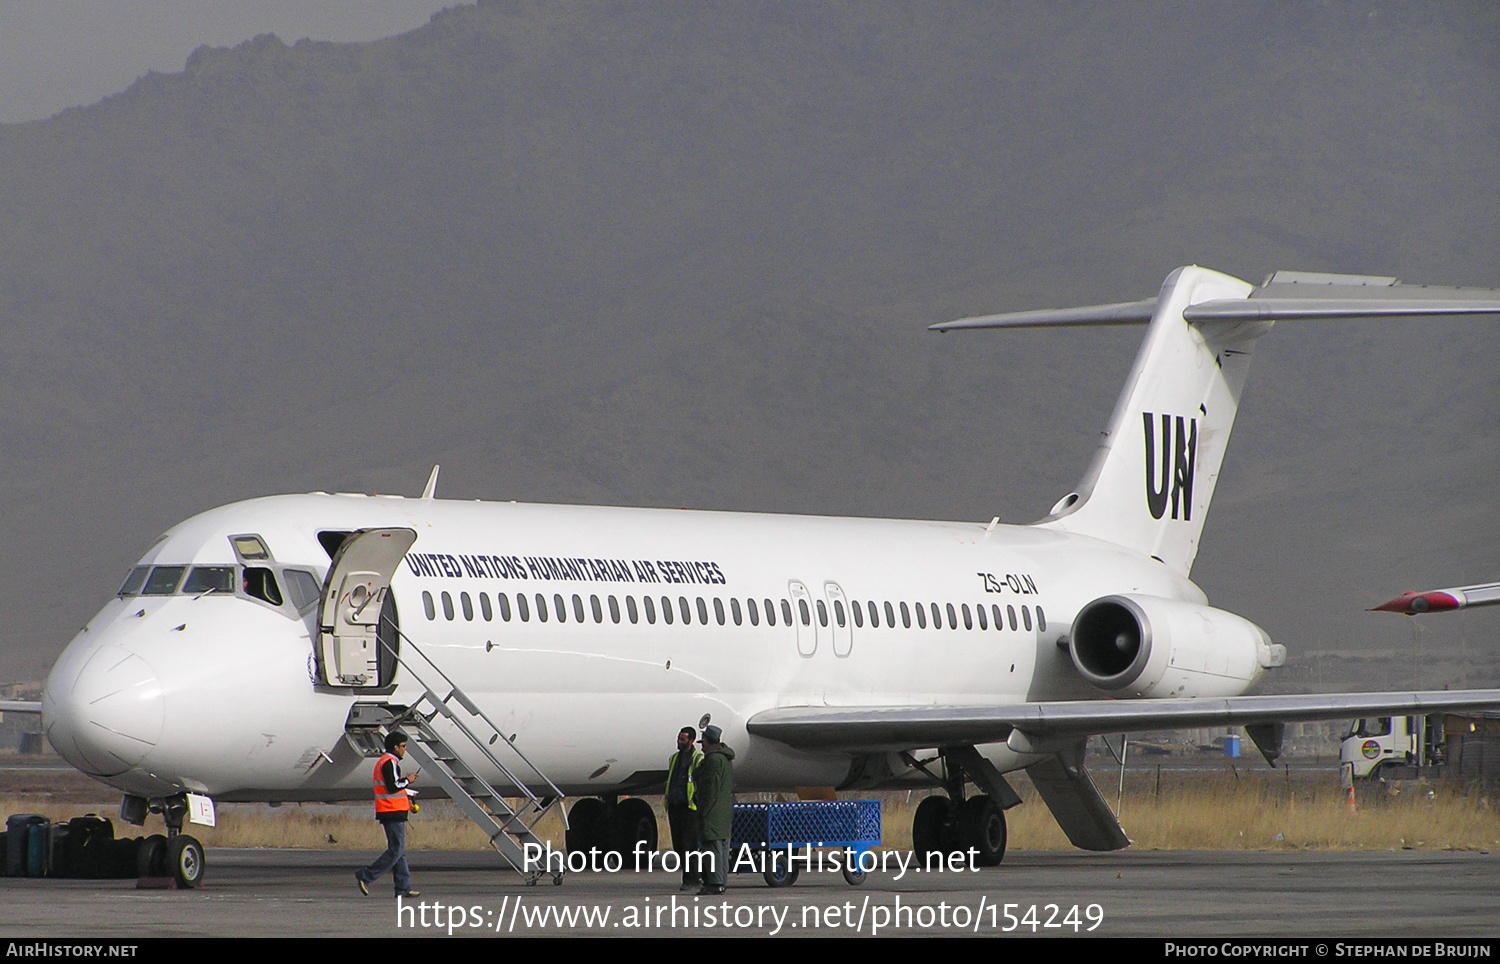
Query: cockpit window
261, 584
250, 547
206, 579
163, 580
135, 581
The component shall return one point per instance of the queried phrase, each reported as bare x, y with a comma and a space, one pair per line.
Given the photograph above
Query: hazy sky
56, 54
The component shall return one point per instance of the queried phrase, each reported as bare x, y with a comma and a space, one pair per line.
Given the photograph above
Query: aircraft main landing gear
626, 827
953, 827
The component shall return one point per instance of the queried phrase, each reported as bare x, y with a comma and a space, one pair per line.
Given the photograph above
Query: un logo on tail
1178, 459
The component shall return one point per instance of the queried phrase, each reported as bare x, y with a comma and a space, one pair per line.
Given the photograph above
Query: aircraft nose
110, 716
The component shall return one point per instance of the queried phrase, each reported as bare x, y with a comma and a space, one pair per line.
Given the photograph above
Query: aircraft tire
151, 857
588, 826
634, 822
981, 828
186, 860
928, 827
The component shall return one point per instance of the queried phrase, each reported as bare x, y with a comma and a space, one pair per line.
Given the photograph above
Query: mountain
684, 254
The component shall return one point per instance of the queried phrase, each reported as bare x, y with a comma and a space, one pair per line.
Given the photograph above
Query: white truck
1465, 746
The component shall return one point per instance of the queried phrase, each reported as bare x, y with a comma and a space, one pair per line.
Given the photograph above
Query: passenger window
447, 605
468, 605
1011, 611
822, 613
734, 611
577, 608
1041, 620
937, 616
134, 581
560, 607
921, 616
968, 618
303, 587
504, 602
999, 619
594, 607
260, 584
718, 611
979, 611
754, 612
541, 608
702, 612
207, 579
484, 608
686, 610
523, 609
427, 605
666, 610
806, 616
952, 617
614, 610
786, 612
838, 613
890, 615
650, 610
630, 609
1026, 617
905, 616
874, 614
859, 614
163, 580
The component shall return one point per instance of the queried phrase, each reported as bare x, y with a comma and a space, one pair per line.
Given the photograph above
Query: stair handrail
473, 707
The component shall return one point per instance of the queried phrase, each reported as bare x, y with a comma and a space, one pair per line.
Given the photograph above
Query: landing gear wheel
151, 857
588, 826
635, 822
185, 859
981, 828
927, 828
779, 869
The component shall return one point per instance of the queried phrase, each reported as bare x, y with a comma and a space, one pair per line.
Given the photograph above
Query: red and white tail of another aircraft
1442, 600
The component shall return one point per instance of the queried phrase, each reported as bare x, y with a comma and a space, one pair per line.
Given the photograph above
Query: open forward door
356, 594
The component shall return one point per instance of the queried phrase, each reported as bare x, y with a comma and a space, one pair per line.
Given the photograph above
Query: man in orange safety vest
392, 804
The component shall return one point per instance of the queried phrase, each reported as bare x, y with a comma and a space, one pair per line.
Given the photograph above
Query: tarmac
300, 893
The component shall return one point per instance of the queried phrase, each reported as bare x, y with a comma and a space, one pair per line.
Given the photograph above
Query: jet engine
1148, 646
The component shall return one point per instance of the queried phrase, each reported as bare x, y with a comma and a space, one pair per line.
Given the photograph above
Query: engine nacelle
1154, 647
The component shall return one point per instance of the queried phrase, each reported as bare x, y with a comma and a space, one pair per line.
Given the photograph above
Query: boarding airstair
361, 646
507, 810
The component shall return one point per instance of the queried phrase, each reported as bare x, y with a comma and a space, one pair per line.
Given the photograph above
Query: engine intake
1155, 647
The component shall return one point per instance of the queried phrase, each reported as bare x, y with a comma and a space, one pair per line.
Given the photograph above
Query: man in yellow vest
392, 804
682, 808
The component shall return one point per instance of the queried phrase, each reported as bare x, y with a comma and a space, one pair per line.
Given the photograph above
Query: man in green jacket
715, 800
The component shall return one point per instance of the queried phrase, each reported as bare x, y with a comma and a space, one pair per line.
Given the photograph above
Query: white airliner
256, 646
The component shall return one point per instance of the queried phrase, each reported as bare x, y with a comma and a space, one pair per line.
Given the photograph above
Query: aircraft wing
1043, 727
20, 706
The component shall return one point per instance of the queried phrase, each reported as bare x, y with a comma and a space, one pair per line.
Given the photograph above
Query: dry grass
1192, 811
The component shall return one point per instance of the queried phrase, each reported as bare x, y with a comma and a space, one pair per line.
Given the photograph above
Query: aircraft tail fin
1157, 464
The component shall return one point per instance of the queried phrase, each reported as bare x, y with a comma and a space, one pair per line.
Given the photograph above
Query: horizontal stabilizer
1040, 725
1124, 313
1286, 296
1442, 600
